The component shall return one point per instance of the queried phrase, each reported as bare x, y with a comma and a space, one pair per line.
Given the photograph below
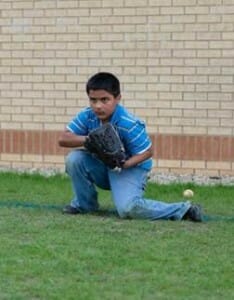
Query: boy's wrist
126, 165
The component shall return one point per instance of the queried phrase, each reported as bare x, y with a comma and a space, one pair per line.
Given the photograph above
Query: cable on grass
22, 204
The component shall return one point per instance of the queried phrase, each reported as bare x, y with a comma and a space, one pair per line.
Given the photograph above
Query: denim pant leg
127, 190
85, 172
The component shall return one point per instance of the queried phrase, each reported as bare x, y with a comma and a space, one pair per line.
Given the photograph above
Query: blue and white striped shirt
131, 130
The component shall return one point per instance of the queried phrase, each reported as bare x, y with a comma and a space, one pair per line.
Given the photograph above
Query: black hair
104, 81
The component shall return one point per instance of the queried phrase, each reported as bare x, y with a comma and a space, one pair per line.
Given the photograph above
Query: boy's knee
73, 159
130, 209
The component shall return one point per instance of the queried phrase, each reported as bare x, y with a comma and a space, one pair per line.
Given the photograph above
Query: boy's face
103, 104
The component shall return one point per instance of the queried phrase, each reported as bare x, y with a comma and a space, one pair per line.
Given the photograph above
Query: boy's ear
118, 97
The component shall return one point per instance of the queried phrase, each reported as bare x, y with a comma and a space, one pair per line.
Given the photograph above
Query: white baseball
188, 193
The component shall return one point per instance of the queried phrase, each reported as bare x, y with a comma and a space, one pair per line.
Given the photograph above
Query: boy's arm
138, 158
71, 140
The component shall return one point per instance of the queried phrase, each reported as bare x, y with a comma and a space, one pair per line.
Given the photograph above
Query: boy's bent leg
85, 172
128, 188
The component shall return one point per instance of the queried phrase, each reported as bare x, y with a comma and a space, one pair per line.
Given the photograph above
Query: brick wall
174, 58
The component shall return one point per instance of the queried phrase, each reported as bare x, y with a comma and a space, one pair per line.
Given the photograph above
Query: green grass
47, 255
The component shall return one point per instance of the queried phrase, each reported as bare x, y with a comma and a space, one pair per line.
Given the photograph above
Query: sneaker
68, 209
194, 213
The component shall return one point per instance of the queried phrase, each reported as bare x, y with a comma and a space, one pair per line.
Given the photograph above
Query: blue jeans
127, 188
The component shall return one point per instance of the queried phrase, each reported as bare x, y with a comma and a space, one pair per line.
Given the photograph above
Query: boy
127, 186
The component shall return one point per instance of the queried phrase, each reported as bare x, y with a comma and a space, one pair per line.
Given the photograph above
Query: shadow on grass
103, 212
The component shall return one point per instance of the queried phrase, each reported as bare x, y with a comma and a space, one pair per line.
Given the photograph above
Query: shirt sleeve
137, 139
78, 125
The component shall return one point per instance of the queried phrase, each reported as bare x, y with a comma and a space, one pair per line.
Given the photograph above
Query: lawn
47, 255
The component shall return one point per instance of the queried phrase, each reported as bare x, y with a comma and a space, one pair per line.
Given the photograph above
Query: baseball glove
105, 143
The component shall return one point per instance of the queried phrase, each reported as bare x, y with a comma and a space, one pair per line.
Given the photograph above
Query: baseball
188, 193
